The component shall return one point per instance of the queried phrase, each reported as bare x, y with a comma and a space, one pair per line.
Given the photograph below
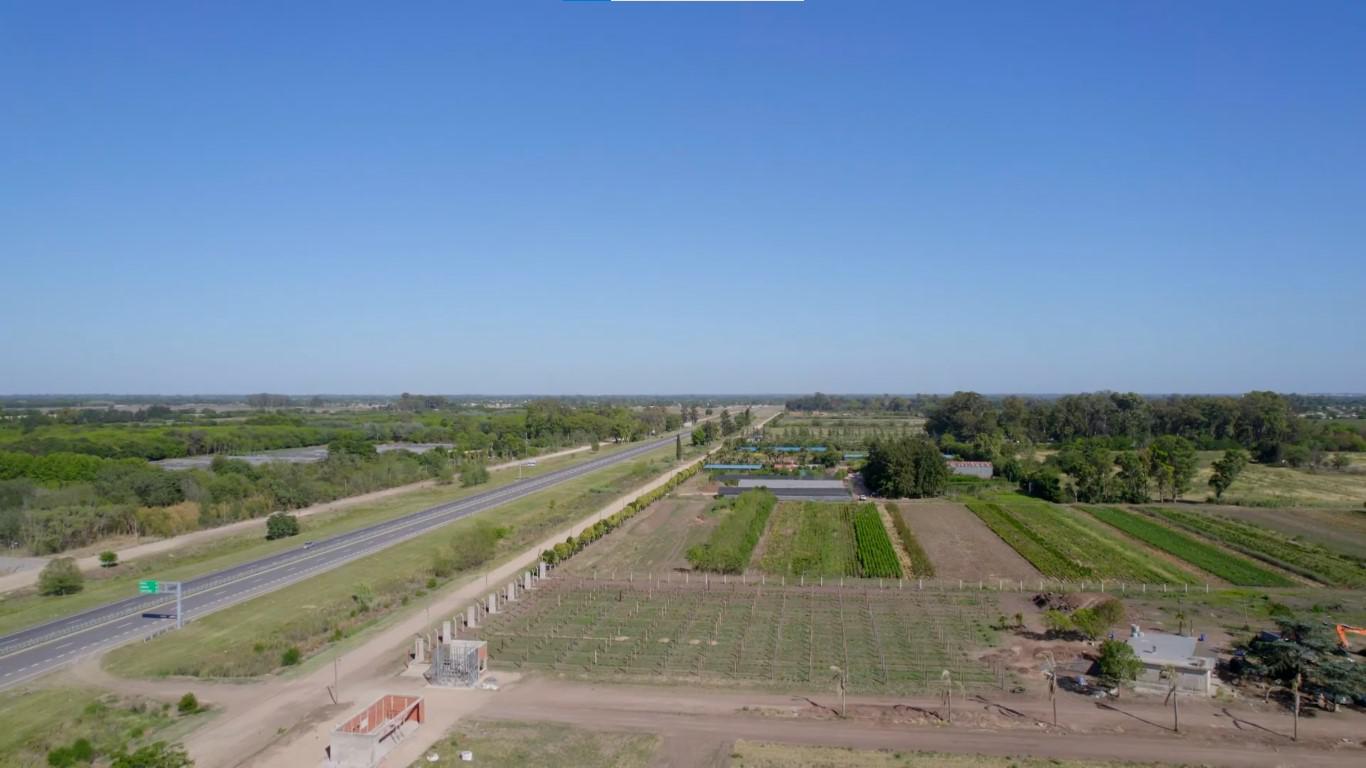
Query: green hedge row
574, 544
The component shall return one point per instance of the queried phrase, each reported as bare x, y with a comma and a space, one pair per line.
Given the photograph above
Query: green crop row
1306, 559
1230, 568
1091, 544
731, 543
876, 557
920, 562
1031, 546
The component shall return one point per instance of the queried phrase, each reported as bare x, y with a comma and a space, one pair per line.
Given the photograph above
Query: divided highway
36, 650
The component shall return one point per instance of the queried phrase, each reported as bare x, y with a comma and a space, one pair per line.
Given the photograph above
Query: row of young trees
574, 544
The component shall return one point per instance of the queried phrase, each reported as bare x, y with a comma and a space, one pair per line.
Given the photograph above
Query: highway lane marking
400, 531
428, 518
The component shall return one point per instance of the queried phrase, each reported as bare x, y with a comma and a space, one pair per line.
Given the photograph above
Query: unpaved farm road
698, 726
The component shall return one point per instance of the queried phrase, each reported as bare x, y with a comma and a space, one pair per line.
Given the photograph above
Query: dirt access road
698, 726
287, 719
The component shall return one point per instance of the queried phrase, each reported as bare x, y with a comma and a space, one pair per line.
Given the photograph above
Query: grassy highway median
275, 631
27, 608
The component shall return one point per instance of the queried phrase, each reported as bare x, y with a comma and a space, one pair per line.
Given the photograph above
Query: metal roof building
792, 488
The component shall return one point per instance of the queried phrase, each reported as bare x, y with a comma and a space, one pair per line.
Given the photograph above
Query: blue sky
544, 196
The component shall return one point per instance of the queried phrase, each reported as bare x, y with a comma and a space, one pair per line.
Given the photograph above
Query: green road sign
147, 587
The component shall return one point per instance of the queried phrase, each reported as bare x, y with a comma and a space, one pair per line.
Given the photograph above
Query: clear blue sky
547, 196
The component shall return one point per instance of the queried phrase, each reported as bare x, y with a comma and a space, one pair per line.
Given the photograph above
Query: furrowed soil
1340, 530
654, 541
960, 545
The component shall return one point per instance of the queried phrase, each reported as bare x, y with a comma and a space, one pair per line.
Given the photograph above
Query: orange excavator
1343, 631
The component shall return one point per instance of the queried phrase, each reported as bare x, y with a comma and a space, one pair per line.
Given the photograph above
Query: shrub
109, 558
291, 656
61, 577
188, 704
281, 525
473, 473
1118, 662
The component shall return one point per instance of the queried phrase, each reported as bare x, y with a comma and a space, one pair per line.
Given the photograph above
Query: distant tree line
1262, 423
856, 403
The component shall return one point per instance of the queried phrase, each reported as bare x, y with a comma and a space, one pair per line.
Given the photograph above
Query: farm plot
1339, 530
960, 546
1299, 557
821, 539
656, 540
810, 539
889, 640
1231, 568
1065, 544
910, 544
844, 431
732, 541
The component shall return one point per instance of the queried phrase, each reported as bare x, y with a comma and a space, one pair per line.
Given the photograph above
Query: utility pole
1295, 691
841, 679
1170, 673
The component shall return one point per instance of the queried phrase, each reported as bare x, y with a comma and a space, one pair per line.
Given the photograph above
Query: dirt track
698, 726
960, 545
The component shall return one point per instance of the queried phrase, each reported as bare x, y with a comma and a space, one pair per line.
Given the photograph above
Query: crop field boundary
666, 579
743, 632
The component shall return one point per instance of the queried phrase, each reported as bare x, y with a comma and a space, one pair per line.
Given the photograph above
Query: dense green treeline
512, 432
131, 497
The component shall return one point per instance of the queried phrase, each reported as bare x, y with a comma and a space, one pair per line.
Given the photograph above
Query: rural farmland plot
890, 640
1066, 544
1300, 557
1231, 568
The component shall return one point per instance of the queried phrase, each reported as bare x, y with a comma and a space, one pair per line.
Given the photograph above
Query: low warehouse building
981, 469
366, 737
792, 488
1159, 651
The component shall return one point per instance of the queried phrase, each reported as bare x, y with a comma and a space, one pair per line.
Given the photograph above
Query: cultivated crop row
886, 641
920, 562
1233, 569
1065, 544
810, 539
876, 557
1303, 558
730, 545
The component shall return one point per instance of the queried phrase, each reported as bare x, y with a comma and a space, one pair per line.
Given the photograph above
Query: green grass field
1067, 544
1297, 556
844, 430
513, 745
38, 721
810, 539
1265, 486
1231, 568
329, 610
26, 608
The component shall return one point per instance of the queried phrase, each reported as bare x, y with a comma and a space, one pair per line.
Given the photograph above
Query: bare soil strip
960, 545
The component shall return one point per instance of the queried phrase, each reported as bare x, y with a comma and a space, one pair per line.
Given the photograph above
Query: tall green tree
1131, 483
1171, 463
1226, 470
905, 467
1088, 462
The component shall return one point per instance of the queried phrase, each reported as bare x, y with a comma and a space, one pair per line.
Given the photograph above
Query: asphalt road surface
37, 650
